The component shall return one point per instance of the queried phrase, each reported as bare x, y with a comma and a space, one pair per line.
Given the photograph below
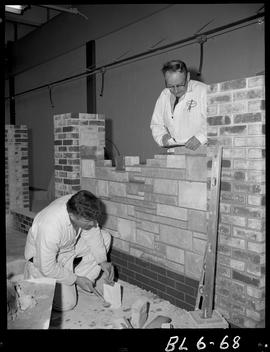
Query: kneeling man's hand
84, 283
108, 271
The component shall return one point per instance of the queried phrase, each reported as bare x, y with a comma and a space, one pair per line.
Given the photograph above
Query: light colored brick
255, 153
102, 188
254, 315
88, 137
258, 141
179, 268
256, 247
197, 220
255, 129
172, 211
132, 160
256, 81
135, 252
131, 210
196, 168
198, 245
118, 243
233, 220
176, 237
255, 200
148, 226
171, 174
166, 186
88, 168
237, 264
117, 189
234, 152
193, 264
233, 108
175, 254
255, 292
115, 208
108, 173
111, 222
232, 242
255, 105
145, 239
256, 224
127, 229
89, 184
176, 161
193, 195
248, 234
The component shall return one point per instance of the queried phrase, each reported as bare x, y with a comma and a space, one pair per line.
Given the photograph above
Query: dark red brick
245, 278
247, 117
233, 130
225, 186
218, 120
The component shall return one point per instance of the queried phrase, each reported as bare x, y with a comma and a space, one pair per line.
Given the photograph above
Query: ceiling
34, 16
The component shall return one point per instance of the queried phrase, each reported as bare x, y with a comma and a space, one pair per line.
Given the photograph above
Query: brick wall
16, 167
156, 213
78, 140
236, 120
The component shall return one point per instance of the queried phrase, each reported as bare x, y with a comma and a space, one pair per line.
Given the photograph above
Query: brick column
236, 120
16, 167
79, 140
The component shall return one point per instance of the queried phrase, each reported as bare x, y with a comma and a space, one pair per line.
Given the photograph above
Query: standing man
67, 229
179, 116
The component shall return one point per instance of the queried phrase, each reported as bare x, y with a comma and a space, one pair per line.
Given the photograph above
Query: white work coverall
53, 244
188, 118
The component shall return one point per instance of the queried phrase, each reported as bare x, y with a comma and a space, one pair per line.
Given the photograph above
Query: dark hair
85, 204
174, 65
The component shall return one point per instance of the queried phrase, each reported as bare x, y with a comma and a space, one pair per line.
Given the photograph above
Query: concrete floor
89, 312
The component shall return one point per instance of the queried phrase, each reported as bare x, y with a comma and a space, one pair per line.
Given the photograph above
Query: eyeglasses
177, 86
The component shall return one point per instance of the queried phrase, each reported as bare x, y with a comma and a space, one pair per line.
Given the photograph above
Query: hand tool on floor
207, 280
99, 295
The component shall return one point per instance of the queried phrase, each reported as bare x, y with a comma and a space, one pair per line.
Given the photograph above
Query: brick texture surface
236, 110
16, 167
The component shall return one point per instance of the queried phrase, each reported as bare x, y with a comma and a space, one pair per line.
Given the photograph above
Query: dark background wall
58, 49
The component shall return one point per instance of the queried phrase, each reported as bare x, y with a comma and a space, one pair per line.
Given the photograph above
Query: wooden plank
211, 248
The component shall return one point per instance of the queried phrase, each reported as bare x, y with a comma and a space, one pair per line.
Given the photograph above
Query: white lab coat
53, 244
188, 118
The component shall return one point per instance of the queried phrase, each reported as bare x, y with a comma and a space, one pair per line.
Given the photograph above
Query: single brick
192, 195
232, 242
234, 220
219, 98
171, 211
256, 105
197, 220
248, 94
247, 118
233, 130
145, 239
247, 279
256, 81
193, 264
256, 247
248, 234
196, 168
233, 108
176, 236
234, 84
117, 189
175, 254
218, 120
166, 186
176, 161
256, 129
127, 229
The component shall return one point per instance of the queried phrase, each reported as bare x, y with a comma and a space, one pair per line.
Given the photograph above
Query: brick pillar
236, 119
16, 167
79, 140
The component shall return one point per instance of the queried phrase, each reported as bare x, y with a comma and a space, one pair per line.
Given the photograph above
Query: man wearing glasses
67, 229
179, 115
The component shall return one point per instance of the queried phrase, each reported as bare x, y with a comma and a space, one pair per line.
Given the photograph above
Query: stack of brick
79, 142
236, 120
157, 216
16, 167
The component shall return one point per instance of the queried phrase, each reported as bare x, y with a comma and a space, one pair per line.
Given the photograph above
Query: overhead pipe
72, 10
148, 52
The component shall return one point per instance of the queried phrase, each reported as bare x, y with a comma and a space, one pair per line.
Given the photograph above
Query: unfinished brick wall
236, 120
157, 216
16, 167
78, 140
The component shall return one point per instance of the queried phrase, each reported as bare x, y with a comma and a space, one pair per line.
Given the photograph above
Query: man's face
81, 222
177, 82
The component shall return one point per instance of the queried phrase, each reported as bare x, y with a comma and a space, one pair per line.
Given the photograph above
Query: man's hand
108, 271
193, 143
165, 139
84, 283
